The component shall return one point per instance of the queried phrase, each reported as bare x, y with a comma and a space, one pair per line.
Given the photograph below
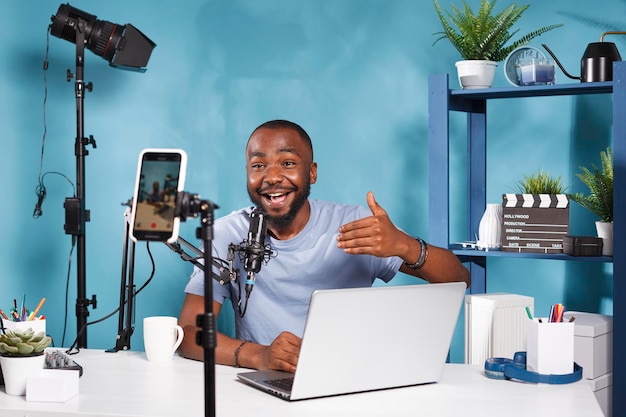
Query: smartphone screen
160, 176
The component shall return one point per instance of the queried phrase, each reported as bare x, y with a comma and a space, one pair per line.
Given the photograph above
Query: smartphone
160, 177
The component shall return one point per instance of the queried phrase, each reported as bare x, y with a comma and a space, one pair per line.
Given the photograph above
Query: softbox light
124, 46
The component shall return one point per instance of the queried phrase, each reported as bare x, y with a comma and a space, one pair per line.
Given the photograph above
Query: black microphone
255, 251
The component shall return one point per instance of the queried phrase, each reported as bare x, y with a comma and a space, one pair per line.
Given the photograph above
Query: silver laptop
364, 339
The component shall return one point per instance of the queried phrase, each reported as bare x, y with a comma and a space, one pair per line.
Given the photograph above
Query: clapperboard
534, 223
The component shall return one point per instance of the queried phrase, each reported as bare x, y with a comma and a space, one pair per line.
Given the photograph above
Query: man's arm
377, 235
282, 354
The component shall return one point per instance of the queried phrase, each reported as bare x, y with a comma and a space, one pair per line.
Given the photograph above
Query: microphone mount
226, 268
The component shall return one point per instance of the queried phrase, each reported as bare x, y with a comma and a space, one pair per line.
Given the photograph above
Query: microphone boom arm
227, 272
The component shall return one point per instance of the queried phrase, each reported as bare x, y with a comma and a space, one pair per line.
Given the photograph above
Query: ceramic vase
605, 231
490, 228
17, 369
476, 73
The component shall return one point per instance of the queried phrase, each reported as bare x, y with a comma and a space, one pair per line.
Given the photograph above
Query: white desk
126, 384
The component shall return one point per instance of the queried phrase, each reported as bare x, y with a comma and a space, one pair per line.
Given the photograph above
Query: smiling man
316, 245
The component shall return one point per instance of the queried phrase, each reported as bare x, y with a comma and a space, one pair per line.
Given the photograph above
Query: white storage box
593, 342
495, 325
602, 388
52, 385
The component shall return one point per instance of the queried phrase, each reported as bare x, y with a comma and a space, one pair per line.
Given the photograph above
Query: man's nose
273, 174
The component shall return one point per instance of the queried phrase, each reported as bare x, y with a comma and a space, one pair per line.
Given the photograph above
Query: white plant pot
17, 369
476, 73
605, 231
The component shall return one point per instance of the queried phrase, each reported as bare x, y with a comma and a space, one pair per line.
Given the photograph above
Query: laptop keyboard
282, 383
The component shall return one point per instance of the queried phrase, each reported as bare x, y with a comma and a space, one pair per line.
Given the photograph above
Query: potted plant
21, 355
541, 182
536, 218
599, 201
481, 38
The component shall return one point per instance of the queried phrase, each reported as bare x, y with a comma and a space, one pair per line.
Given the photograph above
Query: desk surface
125, 384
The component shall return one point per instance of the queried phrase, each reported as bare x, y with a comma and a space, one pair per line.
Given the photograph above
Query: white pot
605, 231
17, 369
476, 73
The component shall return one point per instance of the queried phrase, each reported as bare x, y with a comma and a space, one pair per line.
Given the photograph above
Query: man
316, 244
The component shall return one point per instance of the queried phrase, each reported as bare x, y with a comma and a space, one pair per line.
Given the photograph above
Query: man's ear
313, 172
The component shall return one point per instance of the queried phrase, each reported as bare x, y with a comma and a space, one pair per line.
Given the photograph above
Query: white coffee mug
161, 337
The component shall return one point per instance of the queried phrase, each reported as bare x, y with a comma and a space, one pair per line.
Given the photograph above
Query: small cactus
23, 342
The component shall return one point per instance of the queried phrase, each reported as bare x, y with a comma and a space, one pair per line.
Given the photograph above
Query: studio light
124, 46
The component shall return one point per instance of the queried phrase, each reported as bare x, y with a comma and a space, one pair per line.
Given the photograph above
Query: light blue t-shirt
280, 297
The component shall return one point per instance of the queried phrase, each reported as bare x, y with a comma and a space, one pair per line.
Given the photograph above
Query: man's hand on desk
282, 354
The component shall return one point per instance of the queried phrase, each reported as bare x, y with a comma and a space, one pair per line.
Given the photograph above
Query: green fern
541, 183
599, 201
484, 35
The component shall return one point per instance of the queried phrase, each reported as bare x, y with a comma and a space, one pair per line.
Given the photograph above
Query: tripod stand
187, 205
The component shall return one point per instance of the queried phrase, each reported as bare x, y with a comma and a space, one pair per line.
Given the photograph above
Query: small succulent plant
23, 342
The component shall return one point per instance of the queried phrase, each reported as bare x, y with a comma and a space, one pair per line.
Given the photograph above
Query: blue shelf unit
443, 100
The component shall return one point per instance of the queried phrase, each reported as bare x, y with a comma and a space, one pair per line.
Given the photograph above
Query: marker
530, 316
36, 310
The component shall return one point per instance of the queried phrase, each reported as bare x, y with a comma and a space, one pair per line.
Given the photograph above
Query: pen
36, 310
530, 316
15, 315
23, 308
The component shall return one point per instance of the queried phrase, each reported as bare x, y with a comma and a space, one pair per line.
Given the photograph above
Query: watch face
518, 57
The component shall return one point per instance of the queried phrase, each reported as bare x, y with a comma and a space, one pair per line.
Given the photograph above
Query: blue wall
353, 73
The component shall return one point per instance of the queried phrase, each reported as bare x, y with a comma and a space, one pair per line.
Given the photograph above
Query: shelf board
536, 91
466, 255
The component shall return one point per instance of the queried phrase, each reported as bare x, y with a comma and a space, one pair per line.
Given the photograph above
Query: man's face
280, 172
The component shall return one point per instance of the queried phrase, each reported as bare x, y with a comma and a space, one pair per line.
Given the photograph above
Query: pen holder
550, 347
36, 325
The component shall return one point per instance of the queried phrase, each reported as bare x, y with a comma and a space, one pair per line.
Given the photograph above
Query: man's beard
281, 222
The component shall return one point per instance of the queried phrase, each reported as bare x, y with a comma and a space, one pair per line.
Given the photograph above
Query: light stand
75, 213
124, 47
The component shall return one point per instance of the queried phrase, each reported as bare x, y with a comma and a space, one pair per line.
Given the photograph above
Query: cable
40, 190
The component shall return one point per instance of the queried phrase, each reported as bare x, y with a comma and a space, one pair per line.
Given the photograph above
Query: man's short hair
286, 124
